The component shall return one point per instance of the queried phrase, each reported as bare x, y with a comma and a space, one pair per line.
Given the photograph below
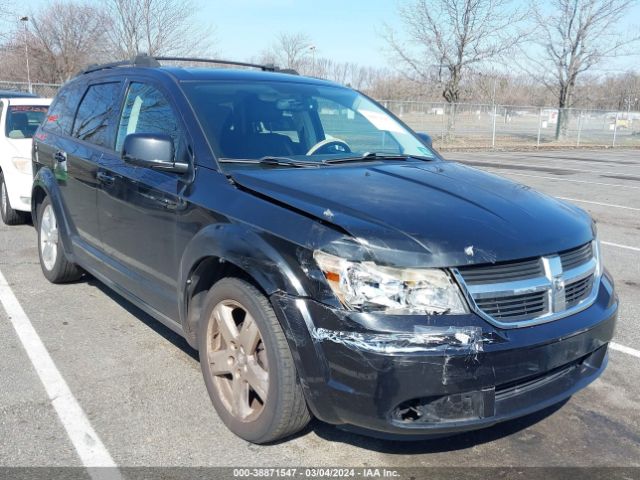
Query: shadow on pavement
333, 434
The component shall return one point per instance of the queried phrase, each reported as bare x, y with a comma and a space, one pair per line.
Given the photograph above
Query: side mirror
152, 150
426, 138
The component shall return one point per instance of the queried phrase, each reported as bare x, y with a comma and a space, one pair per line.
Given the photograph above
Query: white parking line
600, 203
88, 445
550, 162
532, 166
626, 247
617, 185
621, 348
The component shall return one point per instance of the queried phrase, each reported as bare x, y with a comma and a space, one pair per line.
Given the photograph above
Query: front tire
8, 214
247, 365
55, 266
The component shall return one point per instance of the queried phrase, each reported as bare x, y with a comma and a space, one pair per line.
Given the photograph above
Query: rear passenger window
96, 112
146, 110
60, 116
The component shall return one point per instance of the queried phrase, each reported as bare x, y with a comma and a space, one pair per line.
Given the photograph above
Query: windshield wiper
272, 161
374, 157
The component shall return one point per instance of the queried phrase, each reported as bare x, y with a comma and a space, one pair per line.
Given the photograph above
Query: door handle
104, 177
60, 156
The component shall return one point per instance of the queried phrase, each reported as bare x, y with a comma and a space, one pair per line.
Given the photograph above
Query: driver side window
146, 110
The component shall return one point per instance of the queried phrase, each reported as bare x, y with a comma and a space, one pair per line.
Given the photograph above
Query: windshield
23, 120
304, 122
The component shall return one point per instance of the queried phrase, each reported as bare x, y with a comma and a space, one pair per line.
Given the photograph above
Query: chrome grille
531, 291
577, 256
516, 307
577, 291
502, 272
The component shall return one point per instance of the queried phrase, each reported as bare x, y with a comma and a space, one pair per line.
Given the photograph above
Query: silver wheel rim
3, 199
48, 238
237, 361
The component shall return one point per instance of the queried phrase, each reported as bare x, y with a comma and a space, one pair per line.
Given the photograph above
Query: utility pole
25, 20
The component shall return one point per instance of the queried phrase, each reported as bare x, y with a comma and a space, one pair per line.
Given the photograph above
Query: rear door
138, 207
76, 132
78, 160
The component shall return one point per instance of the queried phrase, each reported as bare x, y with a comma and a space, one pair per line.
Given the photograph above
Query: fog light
457, 407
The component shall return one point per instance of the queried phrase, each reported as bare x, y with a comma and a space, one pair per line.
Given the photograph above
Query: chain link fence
45, 90
510, 126
483, 126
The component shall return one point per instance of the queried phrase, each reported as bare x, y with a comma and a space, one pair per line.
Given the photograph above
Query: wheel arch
229, 250
45, 185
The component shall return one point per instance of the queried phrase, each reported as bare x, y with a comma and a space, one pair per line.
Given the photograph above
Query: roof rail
144, 60
265, 68
140, 60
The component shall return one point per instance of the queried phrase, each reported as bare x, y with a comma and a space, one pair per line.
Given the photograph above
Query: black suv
322, 257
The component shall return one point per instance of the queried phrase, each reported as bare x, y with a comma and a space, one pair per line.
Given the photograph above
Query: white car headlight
22, 164
365, 286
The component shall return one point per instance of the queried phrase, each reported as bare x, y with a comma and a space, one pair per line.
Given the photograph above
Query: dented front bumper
431, 375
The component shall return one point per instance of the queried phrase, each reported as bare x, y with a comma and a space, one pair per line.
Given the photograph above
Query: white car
19, 120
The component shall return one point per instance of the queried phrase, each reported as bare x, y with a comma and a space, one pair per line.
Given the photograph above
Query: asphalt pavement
140, 388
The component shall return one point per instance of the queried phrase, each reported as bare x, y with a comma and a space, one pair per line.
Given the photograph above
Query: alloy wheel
238, 361
3, 199
48, 237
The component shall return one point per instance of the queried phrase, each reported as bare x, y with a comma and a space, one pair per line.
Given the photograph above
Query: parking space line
626, 247
503, 173
599, 203
554, 167
88, 445
628, 350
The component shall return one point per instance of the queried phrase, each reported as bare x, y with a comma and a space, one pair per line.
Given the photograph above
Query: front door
138, 207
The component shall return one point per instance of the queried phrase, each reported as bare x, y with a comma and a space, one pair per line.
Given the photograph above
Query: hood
439, 213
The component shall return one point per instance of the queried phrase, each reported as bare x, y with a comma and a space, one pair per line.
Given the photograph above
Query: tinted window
23, 120
62, 110
96, 112
146, 110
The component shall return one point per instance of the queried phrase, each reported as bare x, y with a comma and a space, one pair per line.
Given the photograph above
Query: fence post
493, 132
539, 128
615, 129
579, 129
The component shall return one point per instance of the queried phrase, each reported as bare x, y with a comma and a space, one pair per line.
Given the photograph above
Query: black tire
58, 270
8, 214
284, 412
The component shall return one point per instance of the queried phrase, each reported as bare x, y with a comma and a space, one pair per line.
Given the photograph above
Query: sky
344, 30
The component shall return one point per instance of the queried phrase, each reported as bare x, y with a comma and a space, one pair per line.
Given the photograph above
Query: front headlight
22, 164
365, 286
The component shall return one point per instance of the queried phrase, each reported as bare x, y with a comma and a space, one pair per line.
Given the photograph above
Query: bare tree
447, 38
290, 50
63, 38
156, 27
575, 36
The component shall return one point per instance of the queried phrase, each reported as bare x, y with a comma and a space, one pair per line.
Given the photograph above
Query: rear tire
9, 215
247, 365
55, 266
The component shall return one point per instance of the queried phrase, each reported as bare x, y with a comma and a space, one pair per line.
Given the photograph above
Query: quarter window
96, 112
146, 110
60, 116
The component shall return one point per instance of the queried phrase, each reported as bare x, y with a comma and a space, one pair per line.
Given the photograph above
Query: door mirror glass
426, 138
152, 150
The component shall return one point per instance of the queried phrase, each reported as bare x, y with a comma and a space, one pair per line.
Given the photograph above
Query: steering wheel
328, 146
